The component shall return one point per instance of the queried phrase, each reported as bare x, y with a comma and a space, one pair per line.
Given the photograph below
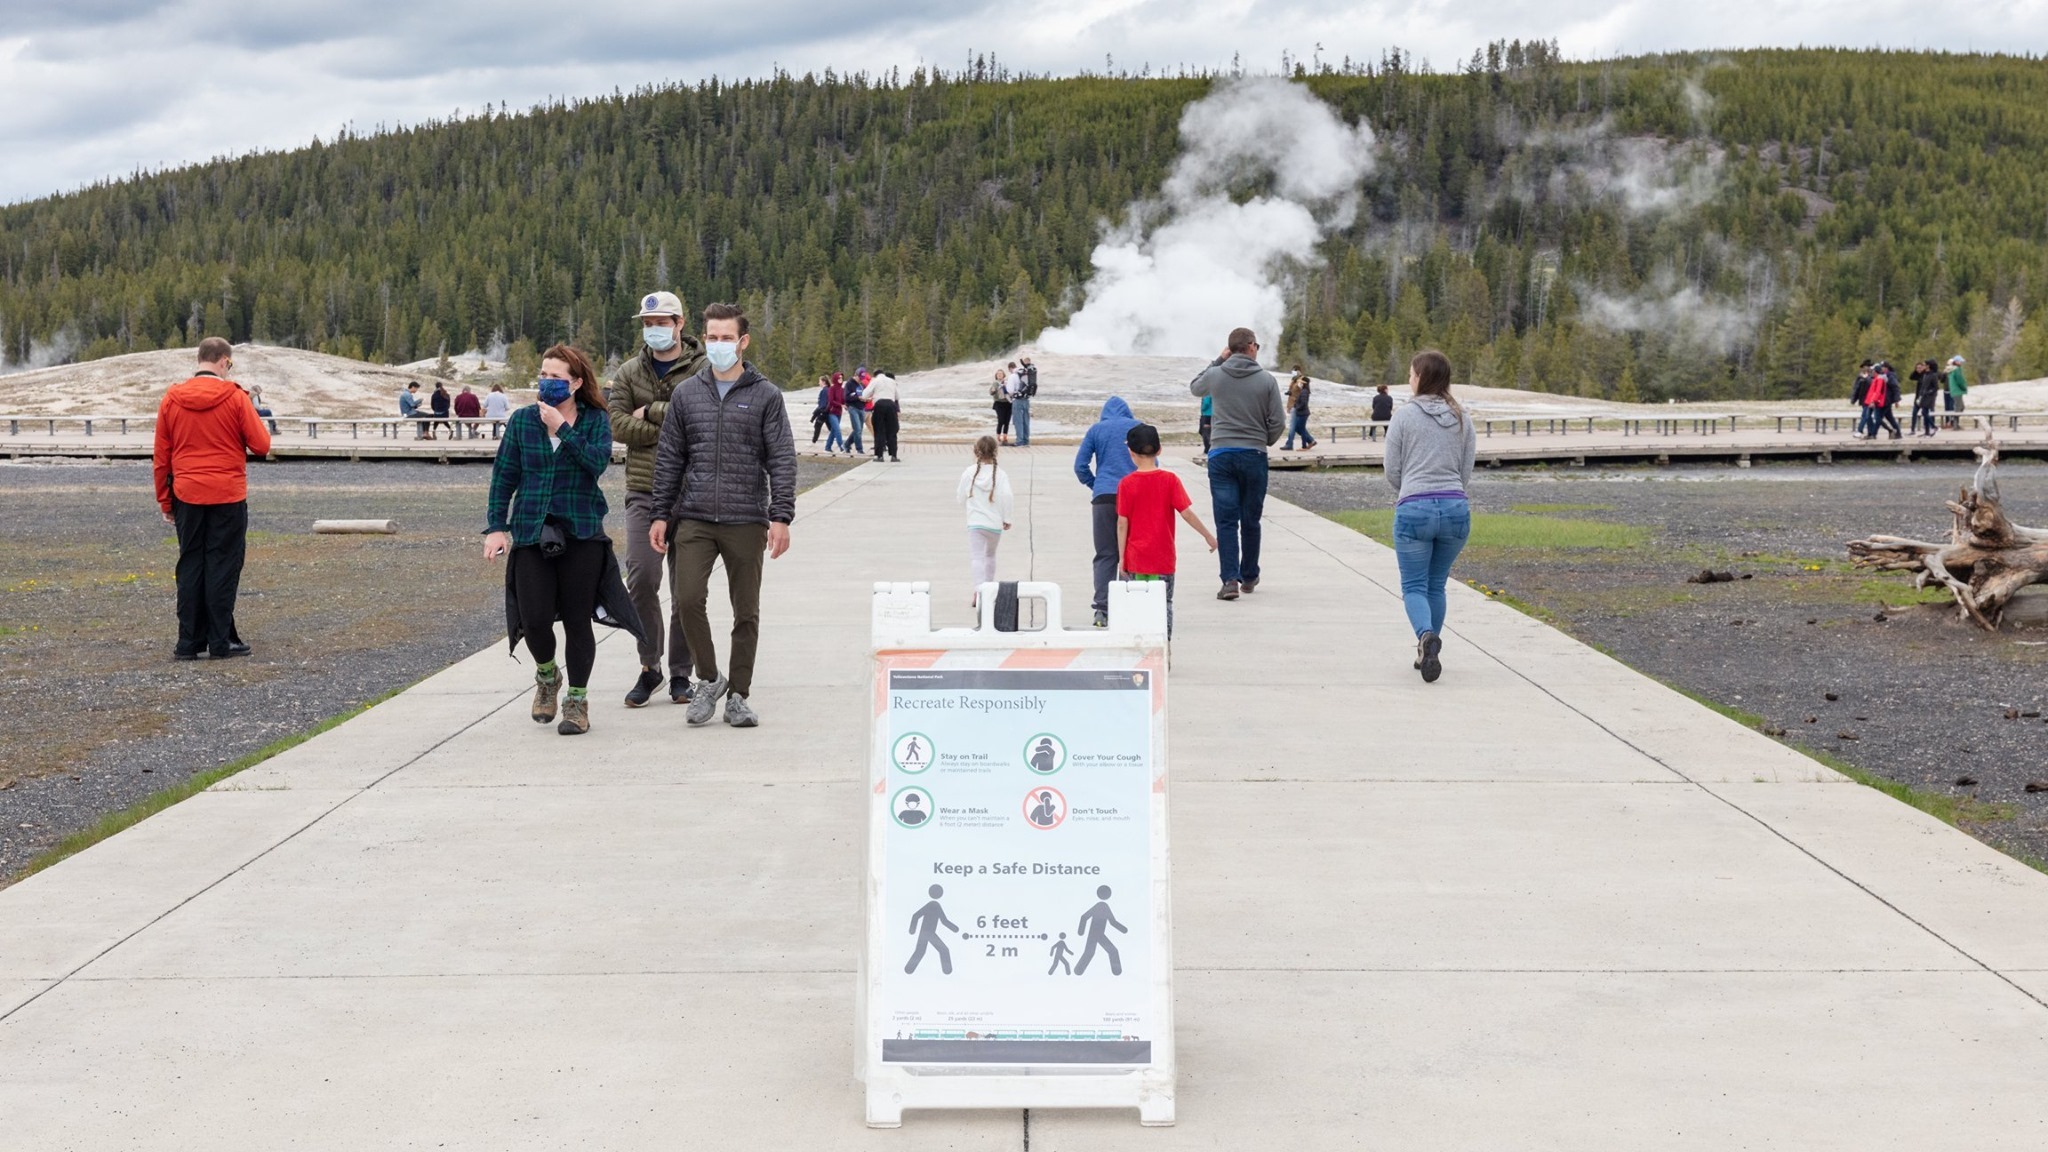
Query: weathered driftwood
1987, 559
355, 527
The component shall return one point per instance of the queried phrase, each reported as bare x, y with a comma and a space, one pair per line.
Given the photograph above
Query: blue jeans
860, 419
1237, 494
1020, 419
1297, 425
833, 439
1428, 535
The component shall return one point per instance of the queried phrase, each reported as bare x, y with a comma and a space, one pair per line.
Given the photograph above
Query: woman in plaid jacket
547, 510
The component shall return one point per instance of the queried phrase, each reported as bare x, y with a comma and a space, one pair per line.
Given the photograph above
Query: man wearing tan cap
638, 401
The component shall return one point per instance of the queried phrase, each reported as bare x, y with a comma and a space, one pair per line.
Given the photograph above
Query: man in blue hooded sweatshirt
1101, 464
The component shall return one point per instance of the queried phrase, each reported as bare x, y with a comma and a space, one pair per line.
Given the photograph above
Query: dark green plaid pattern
549, 482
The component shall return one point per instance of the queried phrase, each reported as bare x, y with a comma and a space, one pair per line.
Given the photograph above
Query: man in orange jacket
205, 427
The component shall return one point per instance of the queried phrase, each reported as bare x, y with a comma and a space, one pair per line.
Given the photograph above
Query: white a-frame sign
1019, 945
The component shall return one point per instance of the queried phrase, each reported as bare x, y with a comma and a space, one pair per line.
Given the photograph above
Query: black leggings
566, 587
1003, 417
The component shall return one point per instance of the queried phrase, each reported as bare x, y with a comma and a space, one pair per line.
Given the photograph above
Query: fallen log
1987, 558
355, 527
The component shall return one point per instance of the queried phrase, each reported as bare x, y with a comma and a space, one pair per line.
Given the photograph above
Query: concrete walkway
1543, 903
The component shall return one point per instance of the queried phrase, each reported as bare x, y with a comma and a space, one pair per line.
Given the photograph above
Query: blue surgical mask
658, 337
553, 390
724, 354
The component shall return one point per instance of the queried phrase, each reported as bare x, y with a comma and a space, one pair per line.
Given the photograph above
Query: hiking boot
545, 689
1248, 585
643, 688
1431, 667
575, 716
739, 713
679, 689
703, 699
1228, 591
1101, 618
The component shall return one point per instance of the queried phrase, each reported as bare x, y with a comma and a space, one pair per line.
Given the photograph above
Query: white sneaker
703, 699
739, 713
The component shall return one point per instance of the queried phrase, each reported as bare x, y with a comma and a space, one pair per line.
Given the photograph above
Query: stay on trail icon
913, 752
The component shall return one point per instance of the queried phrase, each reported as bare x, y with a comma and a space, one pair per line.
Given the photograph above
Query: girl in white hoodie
985, 492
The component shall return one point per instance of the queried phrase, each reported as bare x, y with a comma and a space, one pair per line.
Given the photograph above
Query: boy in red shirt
1146, 502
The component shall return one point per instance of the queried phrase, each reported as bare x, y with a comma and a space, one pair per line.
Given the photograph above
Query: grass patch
136, 813
1511, 530
1955, 811
1548, 509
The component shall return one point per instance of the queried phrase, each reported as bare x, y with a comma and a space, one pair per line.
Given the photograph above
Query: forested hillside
1746, 224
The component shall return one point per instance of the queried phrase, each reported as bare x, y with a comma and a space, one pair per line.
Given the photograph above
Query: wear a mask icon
554, 390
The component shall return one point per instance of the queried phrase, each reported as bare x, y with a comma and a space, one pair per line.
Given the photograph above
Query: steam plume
1185, 268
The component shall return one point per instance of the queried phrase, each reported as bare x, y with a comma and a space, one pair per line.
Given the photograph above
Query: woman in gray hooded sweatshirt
1430, 446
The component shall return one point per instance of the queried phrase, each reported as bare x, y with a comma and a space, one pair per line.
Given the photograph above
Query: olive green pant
695, 546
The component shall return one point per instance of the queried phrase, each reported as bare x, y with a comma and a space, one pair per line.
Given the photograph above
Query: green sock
545, 671
579, 693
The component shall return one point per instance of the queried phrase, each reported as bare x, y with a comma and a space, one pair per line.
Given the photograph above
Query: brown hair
214, 350
580, 372
1241, 339
985, 453
1433, 377
725, 312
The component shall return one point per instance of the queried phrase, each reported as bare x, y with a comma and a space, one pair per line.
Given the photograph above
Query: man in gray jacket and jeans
1247, 420
725, 478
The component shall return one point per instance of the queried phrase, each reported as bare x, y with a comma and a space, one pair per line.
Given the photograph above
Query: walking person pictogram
1060, 952
1095, 922
925, 925
913, 754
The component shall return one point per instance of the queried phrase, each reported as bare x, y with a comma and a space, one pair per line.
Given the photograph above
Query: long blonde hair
985, 453
1433, 378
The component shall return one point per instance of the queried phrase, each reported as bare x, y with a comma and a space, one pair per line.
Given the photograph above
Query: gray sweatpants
643, 581
1104, 509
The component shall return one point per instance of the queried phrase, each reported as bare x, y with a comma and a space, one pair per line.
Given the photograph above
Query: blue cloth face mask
658, 337
723, 353
553, 390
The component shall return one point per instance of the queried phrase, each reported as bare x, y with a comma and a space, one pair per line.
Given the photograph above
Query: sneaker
575, 716
1248, 585
545, 690
1101, 618
679, 689
704, 698
739, 713
1228, 591
1431, 667
643, 688
1418, 653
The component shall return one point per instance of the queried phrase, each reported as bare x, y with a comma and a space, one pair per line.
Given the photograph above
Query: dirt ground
1849, 663
95, 715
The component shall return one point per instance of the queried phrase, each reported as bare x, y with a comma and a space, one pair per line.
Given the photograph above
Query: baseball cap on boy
659, 304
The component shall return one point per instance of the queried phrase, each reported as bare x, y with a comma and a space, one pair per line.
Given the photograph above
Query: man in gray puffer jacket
725, 477
1245, 401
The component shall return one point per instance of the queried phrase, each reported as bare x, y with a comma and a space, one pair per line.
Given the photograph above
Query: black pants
884, 420
565, 587
1003, 417
1207, 423
212, 542
1886, 418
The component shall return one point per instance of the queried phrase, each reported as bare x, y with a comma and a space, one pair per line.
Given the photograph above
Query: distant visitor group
711, 481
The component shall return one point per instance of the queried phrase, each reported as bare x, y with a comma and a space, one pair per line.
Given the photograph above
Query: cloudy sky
98, 88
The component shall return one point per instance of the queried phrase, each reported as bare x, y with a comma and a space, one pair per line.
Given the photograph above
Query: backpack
1030, 380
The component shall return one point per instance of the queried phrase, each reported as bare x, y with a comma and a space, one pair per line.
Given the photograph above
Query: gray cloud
97, 88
